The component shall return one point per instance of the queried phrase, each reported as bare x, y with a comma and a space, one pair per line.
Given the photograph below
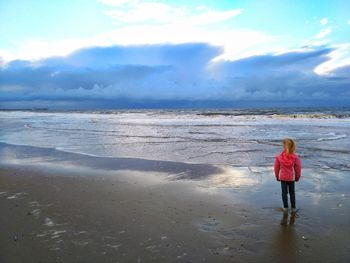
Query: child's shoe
284, 209
294, 210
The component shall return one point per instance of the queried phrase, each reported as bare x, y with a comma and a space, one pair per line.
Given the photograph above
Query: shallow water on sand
317, 189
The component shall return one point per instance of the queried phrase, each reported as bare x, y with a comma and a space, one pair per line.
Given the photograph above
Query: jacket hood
287, 159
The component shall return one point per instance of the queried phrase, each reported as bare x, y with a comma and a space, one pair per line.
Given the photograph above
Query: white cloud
340, 57
324, 21
323, 33
153, 22
159, 12
6, 55
37, 49
118, 3
146, 12
156, 22
236, 43
201, 7
210, 17
159, 22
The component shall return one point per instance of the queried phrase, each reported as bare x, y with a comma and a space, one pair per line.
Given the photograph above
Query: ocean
234, 137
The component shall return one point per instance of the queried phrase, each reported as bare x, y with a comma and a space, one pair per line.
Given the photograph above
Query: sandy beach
174, 131
72, 218
65, 207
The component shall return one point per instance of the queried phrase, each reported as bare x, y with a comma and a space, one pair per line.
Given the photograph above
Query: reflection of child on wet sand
288, 170
284, 221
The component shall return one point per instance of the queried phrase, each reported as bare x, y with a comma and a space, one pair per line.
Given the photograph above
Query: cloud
289, 76
324, 21
338, 58
174, 72
236, 43
146, 12
323, 33
118, 3
160, 13
156, 22
164, 71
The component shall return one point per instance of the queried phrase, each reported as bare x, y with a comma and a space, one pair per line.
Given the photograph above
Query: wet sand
71, 218
72, 208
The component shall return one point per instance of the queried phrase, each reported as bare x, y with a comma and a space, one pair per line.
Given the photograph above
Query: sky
133, 53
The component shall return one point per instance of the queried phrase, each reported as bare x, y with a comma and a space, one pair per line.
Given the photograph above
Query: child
288, 170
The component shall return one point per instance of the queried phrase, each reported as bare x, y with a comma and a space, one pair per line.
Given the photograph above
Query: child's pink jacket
287, 167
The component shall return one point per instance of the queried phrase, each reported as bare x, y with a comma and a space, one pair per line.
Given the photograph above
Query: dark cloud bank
172, 76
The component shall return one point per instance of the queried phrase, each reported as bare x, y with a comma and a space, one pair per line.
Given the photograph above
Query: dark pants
288, 187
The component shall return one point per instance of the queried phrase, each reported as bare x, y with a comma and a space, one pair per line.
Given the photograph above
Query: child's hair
289, 145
